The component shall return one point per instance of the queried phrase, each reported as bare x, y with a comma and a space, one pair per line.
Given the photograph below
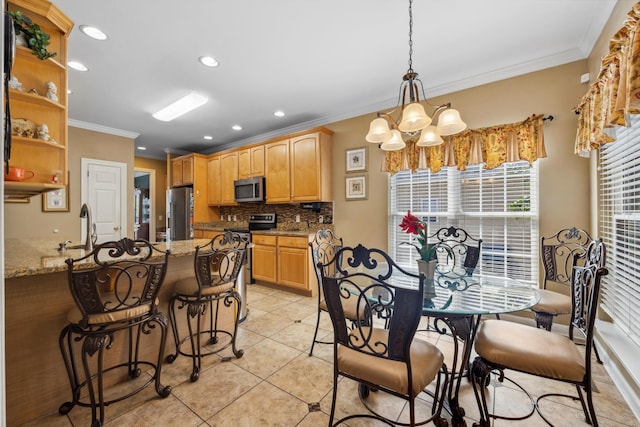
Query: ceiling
318, 61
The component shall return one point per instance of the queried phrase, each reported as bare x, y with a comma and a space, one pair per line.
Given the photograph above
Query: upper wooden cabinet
182, 170
251, 162
43, 153
213, 181
228, 174
311, 167
277, 172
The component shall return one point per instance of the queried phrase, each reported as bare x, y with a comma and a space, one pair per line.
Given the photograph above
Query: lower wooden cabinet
283, 260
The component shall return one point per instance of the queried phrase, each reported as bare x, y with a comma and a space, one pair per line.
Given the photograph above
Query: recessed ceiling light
79, 66
208, 137
209, 61
180, 107
69, 91
93, 32
279, 113
141, 148
236, 127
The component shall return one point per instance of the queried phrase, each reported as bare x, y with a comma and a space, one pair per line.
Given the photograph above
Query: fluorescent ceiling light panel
180, 107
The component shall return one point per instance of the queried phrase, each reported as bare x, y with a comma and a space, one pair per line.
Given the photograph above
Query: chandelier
413, 123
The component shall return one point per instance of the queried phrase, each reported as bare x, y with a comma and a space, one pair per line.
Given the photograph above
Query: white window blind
619, 227
499, 206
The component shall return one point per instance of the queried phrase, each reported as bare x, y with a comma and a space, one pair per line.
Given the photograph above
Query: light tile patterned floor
276, 383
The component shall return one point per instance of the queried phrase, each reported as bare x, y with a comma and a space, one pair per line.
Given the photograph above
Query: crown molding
103, 129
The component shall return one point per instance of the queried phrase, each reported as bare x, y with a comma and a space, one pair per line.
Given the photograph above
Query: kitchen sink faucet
91, 236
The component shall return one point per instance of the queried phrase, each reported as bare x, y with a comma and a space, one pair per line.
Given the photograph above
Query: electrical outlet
320, 219
297, 218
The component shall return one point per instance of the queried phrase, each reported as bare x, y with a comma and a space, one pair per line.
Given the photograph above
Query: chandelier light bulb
414, 118
395, 143
378, 131
450, 122
429, 137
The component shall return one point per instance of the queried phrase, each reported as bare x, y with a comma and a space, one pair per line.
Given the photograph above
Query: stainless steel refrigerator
180, 213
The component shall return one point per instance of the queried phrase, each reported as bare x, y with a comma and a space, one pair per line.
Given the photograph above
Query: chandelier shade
412, 122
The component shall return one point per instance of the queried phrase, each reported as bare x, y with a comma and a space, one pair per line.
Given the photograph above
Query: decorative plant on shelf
37, 40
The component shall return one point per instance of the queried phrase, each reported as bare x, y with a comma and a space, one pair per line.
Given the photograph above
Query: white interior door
104, 189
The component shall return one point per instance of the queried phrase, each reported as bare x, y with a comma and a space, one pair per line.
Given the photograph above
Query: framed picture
56, 200
356, 187
357, 159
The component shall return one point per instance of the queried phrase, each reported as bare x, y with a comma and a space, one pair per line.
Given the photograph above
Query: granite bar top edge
32, 257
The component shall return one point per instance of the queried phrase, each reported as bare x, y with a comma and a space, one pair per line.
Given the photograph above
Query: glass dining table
456, 303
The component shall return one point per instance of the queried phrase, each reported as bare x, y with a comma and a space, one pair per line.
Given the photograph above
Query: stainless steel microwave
249, 189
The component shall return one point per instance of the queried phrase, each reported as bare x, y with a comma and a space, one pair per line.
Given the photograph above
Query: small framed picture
357, 159
356, 187
56, 200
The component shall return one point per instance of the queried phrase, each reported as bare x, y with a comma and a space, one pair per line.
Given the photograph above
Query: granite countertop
30, 257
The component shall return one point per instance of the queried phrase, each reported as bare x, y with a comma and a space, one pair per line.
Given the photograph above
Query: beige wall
27, 220
564, 177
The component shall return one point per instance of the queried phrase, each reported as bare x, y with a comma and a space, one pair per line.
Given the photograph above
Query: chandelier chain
410, 37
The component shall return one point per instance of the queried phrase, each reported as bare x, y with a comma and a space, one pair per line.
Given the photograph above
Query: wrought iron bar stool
115, 289
216, 265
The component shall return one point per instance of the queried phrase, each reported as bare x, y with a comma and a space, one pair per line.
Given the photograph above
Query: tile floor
276, 383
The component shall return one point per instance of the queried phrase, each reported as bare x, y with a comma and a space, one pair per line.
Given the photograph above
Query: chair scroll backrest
324, 246
117, 276
220, 260
391, 296
457, 251
585, 291
558, 252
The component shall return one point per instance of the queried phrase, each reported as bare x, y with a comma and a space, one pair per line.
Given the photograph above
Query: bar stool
115, 289
216, 265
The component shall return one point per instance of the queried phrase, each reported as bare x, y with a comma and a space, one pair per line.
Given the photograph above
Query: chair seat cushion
552, 302
75, 316
349, 307
189, 287
426, 361
528, 349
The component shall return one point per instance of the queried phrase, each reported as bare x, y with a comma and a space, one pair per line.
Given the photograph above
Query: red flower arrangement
413, 225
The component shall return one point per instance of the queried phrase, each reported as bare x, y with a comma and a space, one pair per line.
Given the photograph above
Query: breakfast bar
37, 302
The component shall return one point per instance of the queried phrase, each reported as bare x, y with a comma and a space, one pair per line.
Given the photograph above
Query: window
619, 227
498, 206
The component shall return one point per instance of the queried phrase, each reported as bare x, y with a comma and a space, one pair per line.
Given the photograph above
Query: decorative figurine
52, 91
43, 133
14, 83
34, 91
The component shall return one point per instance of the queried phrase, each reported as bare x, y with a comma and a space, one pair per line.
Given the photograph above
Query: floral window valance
492, 146
615, 94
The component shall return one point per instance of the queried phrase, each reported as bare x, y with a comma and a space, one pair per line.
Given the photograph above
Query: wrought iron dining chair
557, 253
387, 359
502, 345
216, 265
456, 251
115, 289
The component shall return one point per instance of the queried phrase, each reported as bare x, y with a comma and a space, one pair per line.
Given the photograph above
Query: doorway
144, 225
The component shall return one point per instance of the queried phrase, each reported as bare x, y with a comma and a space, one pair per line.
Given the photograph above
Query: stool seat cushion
552, 302
189, 287
426, 361
75, 316
531, 350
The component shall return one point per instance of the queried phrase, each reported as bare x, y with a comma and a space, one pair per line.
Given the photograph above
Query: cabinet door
213, 181
244, 163
292, 267
277, 172
228, 174
305, 168
187, 171
176, 173
264, 263
257, 161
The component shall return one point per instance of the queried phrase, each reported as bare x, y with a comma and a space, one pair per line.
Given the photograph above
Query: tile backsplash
286, 214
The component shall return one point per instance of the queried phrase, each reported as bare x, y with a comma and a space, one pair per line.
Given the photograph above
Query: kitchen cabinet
251, 162
283, 260
213, 181
311, 170
182, 169
32, 147
264, 254
277, 172
228, 174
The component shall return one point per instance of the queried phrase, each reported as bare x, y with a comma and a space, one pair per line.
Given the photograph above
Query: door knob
116, 228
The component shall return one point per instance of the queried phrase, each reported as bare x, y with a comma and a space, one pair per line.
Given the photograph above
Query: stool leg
91, 345
236, 352
174, 328
160, 319
66, 349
